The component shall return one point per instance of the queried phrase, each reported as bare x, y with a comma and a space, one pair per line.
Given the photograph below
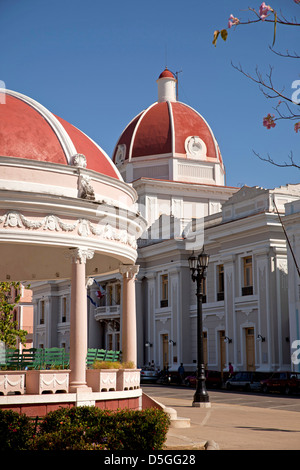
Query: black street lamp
198, 266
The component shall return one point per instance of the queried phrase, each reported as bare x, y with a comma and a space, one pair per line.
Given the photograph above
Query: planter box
128, 379
102, 380
47, 381
12, 382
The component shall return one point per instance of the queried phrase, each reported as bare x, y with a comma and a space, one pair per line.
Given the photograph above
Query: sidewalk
231, 427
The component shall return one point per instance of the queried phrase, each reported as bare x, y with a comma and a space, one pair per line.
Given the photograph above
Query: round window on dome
120, 154
195, 147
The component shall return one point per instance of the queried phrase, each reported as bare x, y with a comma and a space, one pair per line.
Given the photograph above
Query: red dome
163, 129
28, 130
166, 74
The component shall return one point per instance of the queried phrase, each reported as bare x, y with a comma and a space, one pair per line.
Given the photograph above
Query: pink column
129, 343
78, 321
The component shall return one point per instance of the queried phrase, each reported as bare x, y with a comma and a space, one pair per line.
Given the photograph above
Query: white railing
109, 311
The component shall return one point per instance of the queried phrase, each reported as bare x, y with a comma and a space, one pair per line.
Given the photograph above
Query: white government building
169, 155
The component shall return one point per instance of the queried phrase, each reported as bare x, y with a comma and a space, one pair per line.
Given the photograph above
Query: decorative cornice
84, 227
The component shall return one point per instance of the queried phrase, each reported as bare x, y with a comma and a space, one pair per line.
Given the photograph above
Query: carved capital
81, 254
129, 271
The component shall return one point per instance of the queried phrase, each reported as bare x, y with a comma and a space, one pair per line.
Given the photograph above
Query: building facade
171, 158
292, 227
247, 283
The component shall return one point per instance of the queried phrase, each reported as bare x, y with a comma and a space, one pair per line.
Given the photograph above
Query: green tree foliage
9, 331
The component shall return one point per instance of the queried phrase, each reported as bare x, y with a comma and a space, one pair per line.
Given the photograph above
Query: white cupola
166, 86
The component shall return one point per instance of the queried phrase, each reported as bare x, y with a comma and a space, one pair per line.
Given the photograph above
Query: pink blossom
233, 21
268, 121
297, 125
263, 10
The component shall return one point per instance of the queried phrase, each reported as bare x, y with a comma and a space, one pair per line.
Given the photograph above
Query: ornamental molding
120, 154
55, 380
84, 227
15, 381
86, 190
195, 147
79, 160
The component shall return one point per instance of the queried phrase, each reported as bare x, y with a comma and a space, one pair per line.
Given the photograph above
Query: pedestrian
230, 367
181, 373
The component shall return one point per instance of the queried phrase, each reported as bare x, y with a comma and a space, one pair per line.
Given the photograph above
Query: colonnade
78, 319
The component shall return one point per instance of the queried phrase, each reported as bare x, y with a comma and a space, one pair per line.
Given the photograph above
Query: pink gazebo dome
165, 126
29, 131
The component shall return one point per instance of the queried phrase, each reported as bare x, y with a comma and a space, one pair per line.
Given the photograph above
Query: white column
129, 343
78, 320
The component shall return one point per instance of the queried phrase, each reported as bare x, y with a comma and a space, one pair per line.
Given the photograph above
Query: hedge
85, 428
16, 430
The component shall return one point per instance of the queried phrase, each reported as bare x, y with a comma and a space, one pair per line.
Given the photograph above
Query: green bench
2, 357
27, 358
46, 358
112, 356
13, 359
95, 354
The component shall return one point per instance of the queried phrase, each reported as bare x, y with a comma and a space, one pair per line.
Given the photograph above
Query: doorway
165, 350
250, 349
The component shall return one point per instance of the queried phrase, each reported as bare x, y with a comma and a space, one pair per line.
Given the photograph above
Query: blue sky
95, 64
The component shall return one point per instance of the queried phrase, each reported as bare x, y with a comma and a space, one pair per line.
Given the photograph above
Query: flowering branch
267, 14
264, 14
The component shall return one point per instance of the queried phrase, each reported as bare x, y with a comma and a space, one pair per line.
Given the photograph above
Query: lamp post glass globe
203, 260
193, 263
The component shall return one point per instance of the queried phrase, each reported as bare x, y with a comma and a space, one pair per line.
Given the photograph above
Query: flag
100, 292
90, 298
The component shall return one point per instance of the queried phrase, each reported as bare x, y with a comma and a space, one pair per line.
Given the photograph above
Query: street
235, 420
259, 400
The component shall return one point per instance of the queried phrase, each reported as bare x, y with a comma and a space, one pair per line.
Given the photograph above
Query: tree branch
261, 82
281, 165
287, 55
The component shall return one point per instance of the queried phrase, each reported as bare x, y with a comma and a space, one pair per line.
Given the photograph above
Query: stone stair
176, 422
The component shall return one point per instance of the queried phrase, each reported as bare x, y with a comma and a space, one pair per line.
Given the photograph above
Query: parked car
285, 382
213, 379
246, 380
165, 377
149, 375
